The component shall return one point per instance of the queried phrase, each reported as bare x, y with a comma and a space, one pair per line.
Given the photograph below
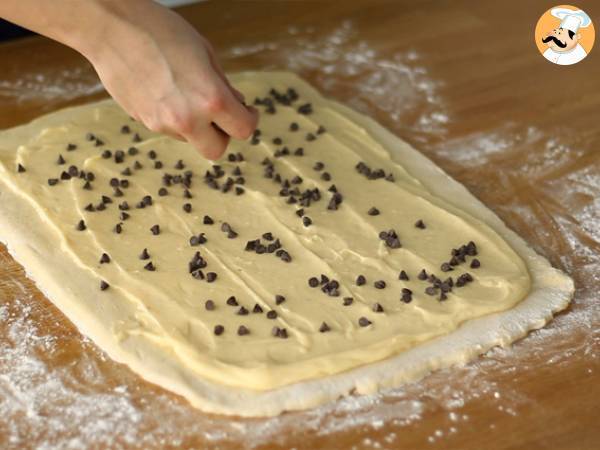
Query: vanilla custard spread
306, 251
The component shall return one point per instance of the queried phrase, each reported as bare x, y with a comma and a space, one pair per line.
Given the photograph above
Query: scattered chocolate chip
158, 164
163, 191
326, 176
232, 301
310, 137
106, 154
324, 328
21, 169
145, 254
403, 275
313, 282
152, 154
52, 181
81, 225
364, 322
207, 220
132, 151
60, 160
104, 285
242, 330
71, 147
475, 264
379, 284
299, 152
347, 301
306, 221
180, 165
257, 309
445, 267
294, 126
373, 211
422, 275
104, 259
155, 229
360, 280
443, 296
220, 329
125, 129
271, 314
118, 228
242, 311
137, 138
430, 290
377, 308
150, 267
321, 129
420, 224
305, 109
119, 156
211, 276
187, 207
406, 295
279, 299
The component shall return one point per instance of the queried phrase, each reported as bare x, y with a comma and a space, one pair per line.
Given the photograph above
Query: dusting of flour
52, 399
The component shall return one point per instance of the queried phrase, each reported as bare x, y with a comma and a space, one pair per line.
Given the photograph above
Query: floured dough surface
305, 254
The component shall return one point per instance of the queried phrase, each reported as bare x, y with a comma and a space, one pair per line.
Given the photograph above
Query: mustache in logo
555, 40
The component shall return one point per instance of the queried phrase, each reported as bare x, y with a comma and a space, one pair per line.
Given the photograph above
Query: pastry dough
155, 318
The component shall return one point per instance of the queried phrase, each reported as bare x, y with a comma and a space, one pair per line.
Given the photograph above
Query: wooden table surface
464, 83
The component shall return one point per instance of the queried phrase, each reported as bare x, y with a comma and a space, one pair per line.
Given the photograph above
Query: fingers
209, 140
233, 117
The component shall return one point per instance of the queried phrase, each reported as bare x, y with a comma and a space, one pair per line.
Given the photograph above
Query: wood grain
491, 80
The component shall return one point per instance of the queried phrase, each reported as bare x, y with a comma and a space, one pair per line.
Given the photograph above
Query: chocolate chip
232, 301
132, 151
377, 308
187, 193
321, 129
180, 165
187, 207
137, 138
364, 322
475, 264
294, 126
163, 191
310, 137
299, 152
277, 141
285, 256
420, 224
152, 154
406, 295
104, 285
257, 309
360, 280
150, 267
89, 207
373, 211
242, 330
348, 301
272, 314
445, 267
145, 254
125, 129
305, 109
325, 176
87, 186
81, 225
155, 229
219, 329
104, 259
403, 275
279, 299
106, 154
20, 168
137, 165
119, 156
60, 160
422, 275
207, 220
124, 216
90, 137
306, 221
379, 284
242, 311
71, 147
158, 164
313, 282
324, 328
52, 181
430, 290
211, 276
118, 228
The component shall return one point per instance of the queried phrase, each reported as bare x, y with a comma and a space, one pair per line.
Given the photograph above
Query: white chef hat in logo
571, 19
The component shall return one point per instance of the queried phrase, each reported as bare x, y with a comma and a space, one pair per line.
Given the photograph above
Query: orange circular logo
564, 35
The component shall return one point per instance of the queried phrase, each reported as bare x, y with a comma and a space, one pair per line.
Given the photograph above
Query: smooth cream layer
341, 244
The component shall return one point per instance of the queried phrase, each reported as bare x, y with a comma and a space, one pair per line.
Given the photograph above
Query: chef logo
564, 35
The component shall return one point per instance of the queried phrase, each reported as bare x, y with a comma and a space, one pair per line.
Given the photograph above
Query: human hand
166, 75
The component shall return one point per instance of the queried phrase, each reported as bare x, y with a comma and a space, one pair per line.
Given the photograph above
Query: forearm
85, 25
